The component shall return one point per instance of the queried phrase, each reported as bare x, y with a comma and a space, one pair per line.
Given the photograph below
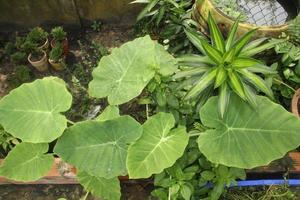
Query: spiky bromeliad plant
226, 65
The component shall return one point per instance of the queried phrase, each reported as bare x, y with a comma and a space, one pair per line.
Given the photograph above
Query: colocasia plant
226, 65
111, 145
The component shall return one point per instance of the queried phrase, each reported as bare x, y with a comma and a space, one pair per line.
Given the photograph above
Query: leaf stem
70, 122
147, 111
86, 195
283, 83
194, 134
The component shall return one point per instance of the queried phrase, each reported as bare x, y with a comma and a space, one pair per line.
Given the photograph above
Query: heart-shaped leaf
158, 148
32, 111
99, 148
100, 187
247, 138
27, 162
124, 74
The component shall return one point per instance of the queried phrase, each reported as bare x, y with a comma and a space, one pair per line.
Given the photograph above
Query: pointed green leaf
247, 138
147, 9
255, 43
195, 39
257, 82
206, 80
259, 49
191, 72
229, 56
27, 162
32, 112
194, 60
236, 84
99, 148
221, 77
158, 148
110, 112
241, 43
263, 69
250, 95
214, 54
224, 97
245, 62
100, 187
232, 35
216, 35
124, 74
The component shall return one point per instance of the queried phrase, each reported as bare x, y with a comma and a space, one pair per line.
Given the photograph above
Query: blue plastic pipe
249, 183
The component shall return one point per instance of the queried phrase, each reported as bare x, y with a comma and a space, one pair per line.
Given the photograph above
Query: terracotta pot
42, 64
58, 65
45, 46
296, 103
65, 45
203, 7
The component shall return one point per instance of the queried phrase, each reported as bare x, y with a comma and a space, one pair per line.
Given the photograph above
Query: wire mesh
264, 12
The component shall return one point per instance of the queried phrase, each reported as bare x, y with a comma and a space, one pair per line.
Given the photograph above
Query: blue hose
249, 183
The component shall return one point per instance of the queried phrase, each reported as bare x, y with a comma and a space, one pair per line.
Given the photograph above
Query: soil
130, 191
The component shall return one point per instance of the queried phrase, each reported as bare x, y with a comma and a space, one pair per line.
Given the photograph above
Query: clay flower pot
59, 66
203, 7
65, 45
42, 64
45, 46
296, 103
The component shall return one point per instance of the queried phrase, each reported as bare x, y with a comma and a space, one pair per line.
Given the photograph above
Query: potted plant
37, 57
57, 57
60, 36
224, 14
39, 37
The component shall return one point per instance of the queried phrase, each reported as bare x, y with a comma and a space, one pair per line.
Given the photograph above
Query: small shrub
56, 53
58, 34
37, 36
18, 58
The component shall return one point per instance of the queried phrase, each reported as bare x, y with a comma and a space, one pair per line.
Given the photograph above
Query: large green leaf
247, 138
27, 162
100, 187
110, 112
32, 111
124, 74
158, 148
99, 148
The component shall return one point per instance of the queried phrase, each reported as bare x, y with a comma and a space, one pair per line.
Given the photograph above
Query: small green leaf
229, 56
214, 54
27, 162
191, 72
250, 95
232, 35
202, 84
110, 112
186, 192
245, 62
221, 77
147, 9
216, 35
158, 147
236, 84
224, 97
258, 82
195, 39
241, 43
207, 175
100, 187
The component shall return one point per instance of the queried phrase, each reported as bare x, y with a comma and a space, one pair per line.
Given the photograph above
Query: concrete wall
16, 14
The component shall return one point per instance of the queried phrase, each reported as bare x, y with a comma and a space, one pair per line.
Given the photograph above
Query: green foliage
56, 54
226, 66
22, 74
7, 141
166, 20
27, 162
37, 36
58, 34
96, 26
158, 147
294, 29
232, 9
18, 58
9, 48
33, 113
133, 73
245, 133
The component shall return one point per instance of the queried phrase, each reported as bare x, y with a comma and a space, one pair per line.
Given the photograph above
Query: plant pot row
42, 63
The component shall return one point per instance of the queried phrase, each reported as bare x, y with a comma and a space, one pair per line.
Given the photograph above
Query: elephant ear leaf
247, 137
124, 74
100, 187
32, 112
27, 162
158, 147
